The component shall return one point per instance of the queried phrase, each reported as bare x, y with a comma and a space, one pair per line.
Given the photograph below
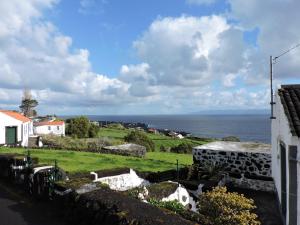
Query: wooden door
11, 135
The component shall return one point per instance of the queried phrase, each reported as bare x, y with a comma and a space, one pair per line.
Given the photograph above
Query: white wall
24, 130
281, 133
54, 129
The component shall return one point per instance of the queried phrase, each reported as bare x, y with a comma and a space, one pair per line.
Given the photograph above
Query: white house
50, 127
15, 128
286, 153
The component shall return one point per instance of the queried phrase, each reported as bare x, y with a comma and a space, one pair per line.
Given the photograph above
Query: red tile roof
50, 123
16, 115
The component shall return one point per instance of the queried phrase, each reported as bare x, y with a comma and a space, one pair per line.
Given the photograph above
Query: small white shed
15, 128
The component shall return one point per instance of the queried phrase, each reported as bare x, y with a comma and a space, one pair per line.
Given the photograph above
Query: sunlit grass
72, 161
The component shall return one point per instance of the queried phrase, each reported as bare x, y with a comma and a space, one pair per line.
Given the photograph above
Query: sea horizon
247, 127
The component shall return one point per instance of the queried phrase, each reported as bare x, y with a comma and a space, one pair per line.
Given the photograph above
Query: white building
15, 128
50, 127
285, 151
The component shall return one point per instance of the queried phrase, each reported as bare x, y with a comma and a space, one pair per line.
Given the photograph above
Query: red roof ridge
16, 115
49, 123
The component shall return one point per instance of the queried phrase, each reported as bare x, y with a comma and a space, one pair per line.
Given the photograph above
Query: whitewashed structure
285, 151
122, 182
15, 129
50, 127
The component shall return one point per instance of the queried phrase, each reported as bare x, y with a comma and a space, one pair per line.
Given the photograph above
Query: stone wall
250, 163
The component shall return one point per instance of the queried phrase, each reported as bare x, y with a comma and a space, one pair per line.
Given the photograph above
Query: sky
120, 57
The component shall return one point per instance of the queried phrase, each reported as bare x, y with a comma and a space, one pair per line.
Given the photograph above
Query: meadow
74, 161
117, 135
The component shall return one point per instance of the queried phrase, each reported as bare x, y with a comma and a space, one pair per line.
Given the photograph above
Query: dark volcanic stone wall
248, 163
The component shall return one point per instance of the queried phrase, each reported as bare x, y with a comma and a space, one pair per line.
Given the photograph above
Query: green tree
78, 127
140, 138
28, 104
219, 207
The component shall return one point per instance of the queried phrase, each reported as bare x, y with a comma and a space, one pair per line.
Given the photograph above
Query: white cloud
180, 60
34, 54
177, 50
277, 22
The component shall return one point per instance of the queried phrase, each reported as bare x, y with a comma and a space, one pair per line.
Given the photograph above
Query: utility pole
271, 88
272, 62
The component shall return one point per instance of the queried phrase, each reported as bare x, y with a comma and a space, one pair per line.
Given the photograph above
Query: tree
78, 127
219, 207
28, 104
140, 138
81, 127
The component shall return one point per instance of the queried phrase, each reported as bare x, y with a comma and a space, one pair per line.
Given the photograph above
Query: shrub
182, 148
140, 138
93, 130
78, 127
231, 138
68, 143
115, 126
174, 205
81, 127
220, 207
164, 149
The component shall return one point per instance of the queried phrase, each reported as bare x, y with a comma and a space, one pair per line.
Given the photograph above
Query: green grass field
158, 139
73, 161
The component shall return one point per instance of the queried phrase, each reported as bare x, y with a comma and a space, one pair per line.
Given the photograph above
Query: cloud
177, 50
200, 2
183, 62
34, 54
277, 22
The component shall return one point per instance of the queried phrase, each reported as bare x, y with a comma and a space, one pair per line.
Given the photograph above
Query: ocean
247, 127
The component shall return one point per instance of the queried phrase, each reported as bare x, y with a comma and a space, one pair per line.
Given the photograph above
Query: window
57, 127
49, 128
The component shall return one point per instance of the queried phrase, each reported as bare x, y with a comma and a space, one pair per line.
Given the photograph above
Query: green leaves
140, 138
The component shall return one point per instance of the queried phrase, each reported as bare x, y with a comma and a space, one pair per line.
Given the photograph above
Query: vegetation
231, 138
69, 143
174, 205
140, 138
161, 141
80, 127
74, 161
28, 104
182, 148
219, 207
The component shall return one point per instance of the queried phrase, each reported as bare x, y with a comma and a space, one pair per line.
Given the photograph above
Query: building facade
50, 127
285, 152
15, 129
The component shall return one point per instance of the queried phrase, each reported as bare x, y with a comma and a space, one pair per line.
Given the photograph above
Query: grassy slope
85, 162
158, 139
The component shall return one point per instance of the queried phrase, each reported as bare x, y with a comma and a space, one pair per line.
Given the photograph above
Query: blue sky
108, 28
145, 57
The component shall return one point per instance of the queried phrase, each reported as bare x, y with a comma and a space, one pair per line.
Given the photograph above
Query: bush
81, 127
182, 148
174, 205
68, 143
115, 126
78, 127
140, 138
164, 149
93, 130
220, 207
231, 138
